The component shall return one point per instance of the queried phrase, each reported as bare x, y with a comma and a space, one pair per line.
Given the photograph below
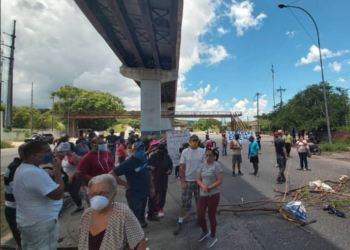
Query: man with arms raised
38, 197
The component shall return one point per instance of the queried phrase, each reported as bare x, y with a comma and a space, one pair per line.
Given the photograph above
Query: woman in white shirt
302, 151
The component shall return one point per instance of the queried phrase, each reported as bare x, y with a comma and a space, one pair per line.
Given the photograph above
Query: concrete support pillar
72, 130
166, 123
150, 107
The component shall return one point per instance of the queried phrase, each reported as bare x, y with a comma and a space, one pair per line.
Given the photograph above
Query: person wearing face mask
107, 224
236, 146
253, 155
38, 197
138, 181
209, 180
190, 162
70, 161
97, 161
161, 166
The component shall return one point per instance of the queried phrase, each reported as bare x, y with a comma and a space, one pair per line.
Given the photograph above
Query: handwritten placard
175, 138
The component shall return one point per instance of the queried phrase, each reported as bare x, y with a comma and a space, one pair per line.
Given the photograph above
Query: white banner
243, 136
175, 138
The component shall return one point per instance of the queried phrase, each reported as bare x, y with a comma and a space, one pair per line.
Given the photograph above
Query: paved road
7, 156
252, 230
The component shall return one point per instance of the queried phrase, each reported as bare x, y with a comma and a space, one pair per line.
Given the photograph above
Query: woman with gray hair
108, 224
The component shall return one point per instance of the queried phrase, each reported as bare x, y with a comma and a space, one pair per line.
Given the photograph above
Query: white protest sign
175, 138
243, 136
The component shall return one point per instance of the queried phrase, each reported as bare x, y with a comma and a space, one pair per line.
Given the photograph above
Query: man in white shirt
38, 197
191, 159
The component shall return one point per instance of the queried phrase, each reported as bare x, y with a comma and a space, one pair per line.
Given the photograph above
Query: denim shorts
40, 236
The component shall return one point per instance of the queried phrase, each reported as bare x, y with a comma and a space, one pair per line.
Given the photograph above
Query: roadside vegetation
339, 145
6, 144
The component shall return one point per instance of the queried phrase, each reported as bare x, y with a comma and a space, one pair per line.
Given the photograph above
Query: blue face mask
102, 147
140, 154
47, 158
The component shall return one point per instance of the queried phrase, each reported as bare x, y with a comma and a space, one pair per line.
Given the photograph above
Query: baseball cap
280, 131
194, 137
137, 145
154, 142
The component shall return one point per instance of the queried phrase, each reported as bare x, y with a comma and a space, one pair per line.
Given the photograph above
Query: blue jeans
224, 149
112, 150
40, 236
137, 205
303, 160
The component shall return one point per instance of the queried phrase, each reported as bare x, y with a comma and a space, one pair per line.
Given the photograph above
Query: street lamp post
323, 83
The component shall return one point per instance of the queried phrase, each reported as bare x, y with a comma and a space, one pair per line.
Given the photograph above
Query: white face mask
99, 202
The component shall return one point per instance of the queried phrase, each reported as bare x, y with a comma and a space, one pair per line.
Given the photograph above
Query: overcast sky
227, 49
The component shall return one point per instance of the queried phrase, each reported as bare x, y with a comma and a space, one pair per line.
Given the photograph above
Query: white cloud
335, 66
249, 109
348, 62
212, 54
341, 80
291, 34
234, 99
241, 16
317, 68
200, 83
227, 104
215, 89
314, 55
222, 31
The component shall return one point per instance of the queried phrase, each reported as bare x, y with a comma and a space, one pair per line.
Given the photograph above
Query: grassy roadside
6, 144
339, 145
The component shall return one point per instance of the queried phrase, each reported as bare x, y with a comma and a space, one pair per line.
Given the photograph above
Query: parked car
33, 137
49, 138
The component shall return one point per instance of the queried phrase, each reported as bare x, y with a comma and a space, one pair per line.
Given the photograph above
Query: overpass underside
145, 35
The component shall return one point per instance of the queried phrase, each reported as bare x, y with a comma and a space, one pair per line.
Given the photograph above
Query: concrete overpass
145, 35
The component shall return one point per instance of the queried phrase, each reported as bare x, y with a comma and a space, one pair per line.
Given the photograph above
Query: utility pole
257, 110
53, 103
273, 86
281, 91
9, 103
1, 68
31, 111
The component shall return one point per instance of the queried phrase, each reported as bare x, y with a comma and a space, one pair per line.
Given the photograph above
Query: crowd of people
37, 180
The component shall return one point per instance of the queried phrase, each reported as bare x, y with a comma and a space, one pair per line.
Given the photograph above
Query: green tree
135, 124
306, 109
84, 101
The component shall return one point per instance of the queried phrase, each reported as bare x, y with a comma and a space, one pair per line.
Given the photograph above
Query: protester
97, 161
258, 139
107, 224
253, 155
224, 146
153, 148
81, 147
236, 147
302, 152
191, 159
294, 136
91, 136
38, 197
131, 141
122, 135
121, 151
10, 202
70, 161
282, 156
161, 166
275, 134
112, 141
288, 141
183, 146
209, 180
138, 181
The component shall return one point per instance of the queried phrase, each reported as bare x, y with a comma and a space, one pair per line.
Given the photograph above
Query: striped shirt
8, 180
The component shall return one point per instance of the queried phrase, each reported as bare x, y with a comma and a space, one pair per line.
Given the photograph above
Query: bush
340, 145
6, 144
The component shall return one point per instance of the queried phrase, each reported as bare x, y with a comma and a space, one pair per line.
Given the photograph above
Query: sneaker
276, 165
160, 214
78, 211
257, 175
152, 218
304, 169
177, 229
233, 173
239, 172
211, 242
143, 224
204, 236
